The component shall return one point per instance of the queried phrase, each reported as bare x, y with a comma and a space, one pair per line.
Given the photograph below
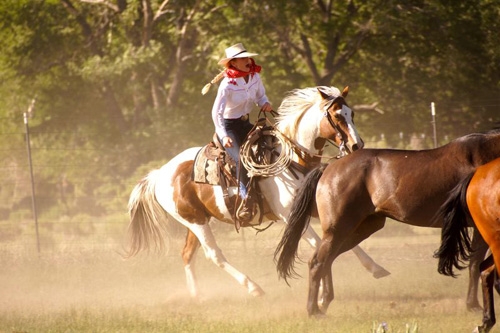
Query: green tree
117, 82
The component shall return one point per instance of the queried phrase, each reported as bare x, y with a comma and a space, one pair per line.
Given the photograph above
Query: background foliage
117, 82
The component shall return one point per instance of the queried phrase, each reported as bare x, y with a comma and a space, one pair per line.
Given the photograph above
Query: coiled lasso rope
260, 154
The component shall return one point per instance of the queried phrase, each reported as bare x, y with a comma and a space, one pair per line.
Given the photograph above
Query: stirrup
245, 211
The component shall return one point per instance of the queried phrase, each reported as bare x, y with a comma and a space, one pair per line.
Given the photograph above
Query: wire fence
60, 228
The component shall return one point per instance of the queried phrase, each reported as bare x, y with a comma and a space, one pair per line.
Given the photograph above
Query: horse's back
185, 156
406, 185
180, 166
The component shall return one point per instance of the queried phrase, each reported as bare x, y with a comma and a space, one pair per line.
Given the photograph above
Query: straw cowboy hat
235, 51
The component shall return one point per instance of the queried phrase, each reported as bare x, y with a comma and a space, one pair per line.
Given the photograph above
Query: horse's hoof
323, 307
257, 292
481, 329
474, 308
380, 273
318, 315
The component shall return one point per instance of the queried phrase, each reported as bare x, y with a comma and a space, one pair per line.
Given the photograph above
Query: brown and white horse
305, 116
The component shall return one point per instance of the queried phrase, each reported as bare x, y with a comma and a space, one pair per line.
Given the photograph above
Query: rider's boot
245, 209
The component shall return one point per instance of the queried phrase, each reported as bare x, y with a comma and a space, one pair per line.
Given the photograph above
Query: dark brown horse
354, 196
476, 197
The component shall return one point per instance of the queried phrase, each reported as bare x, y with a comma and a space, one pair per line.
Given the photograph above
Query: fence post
27, 115
433, 113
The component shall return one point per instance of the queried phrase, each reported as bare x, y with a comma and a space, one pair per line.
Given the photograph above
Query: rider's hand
266, 107
227, 142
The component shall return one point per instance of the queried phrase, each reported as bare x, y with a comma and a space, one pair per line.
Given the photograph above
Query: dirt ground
90, 276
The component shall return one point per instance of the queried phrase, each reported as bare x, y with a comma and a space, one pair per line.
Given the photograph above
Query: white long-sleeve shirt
236, 98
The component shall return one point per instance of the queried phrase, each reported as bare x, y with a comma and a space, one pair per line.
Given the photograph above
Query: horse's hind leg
320, 270
480, 248
327, 294
214, 253
487, 279
189, 257
326, 284
370, 225
315, 277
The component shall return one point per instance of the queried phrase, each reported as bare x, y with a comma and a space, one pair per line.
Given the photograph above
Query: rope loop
266, 152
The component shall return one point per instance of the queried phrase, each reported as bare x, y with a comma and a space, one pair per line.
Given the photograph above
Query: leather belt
244, 117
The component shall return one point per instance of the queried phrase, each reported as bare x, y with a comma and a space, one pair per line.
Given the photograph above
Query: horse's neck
486, 149
279, 190
474, 149
304, 138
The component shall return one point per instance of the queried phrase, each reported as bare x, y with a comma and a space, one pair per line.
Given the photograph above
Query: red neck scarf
233, 73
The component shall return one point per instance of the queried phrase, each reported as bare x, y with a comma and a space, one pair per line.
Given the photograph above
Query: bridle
289, 146
344, 150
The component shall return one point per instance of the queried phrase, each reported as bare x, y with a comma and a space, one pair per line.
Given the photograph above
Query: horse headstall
343, 149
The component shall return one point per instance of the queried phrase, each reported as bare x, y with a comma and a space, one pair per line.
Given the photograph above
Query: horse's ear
345, 91
325, 96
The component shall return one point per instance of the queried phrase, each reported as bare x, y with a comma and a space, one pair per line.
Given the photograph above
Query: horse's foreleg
189, 257
370, 264
253, 288
480, 248
214, 253
311, 237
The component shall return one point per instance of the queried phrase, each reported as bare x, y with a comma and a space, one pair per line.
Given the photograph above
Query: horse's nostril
354, 147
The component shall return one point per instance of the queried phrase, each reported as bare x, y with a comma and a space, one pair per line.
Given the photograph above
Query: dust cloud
97, 279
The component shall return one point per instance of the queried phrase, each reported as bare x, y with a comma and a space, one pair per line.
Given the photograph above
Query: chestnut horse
476, 197
355, 194
306, 117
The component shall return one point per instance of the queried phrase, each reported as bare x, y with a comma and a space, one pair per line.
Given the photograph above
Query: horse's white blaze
346, 112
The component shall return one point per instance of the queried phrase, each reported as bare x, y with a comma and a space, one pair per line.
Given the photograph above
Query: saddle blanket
205, 169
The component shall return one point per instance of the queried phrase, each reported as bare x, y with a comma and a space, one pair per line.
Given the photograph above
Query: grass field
92, 289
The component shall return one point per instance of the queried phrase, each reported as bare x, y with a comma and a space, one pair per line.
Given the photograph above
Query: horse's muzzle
358, 145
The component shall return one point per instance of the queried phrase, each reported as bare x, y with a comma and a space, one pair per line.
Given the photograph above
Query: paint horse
476, 198
306, 117
355, 194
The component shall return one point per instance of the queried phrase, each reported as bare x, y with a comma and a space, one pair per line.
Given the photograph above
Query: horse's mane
494, 130
296, 103
478, 135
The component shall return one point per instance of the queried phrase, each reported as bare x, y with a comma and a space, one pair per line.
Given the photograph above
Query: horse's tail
146, 229
298, 220
455, 246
